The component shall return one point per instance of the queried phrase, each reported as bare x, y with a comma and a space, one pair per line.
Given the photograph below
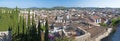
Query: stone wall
85, 37
104, 35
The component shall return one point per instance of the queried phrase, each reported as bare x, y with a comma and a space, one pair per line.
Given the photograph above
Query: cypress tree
9, 33
33, 21
46, 31
28, 23
28, 26
23, 30
33, 30
18, 29
39, 31
23, 27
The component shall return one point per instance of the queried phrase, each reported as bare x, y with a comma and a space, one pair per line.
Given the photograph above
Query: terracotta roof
89, 20
95, 17
58, 24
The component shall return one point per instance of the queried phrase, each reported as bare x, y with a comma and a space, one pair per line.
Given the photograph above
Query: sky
65, 3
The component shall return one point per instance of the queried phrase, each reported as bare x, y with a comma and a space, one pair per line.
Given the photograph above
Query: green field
8, 18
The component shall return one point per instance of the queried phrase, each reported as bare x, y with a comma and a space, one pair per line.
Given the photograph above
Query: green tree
18, 30
46, 31
103, 24
28, 27
115, 22
28, 23
23, 29
39, 31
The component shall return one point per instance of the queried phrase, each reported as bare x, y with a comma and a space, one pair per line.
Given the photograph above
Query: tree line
29, 31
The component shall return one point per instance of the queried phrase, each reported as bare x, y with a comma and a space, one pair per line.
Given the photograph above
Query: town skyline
54, 3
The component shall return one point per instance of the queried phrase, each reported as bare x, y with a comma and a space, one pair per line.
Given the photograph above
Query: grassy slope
7, 20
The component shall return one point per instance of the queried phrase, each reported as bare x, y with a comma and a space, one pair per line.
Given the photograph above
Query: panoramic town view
59, 20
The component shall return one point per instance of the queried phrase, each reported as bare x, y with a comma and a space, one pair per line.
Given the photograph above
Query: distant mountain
33, 8
59, 8
3, 7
